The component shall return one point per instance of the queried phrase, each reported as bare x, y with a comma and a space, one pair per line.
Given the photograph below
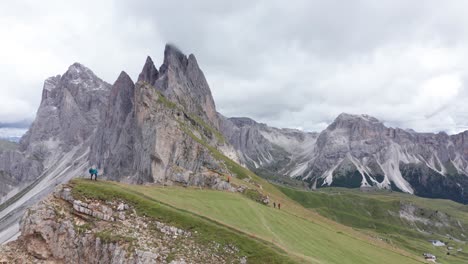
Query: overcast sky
288, 63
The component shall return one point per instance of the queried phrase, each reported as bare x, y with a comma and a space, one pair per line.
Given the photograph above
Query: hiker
229, 179
274, 205
93, 172
279, 206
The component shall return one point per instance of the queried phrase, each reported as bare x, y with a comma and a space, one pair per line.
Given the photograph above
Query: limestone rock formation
146, 138
358, 151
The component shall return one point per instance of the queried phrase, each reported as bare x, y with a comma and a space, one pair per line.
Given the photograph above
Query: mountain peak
78, 68
77, 65
78, 73
172, 49
182, 81
242, 121
353, 117
347, 121
149, 73
174, 57
124, 78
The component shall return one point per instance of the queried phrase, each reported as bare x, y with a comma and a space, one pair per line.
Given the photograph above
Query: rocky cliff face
147, 138
161, 128
359, 151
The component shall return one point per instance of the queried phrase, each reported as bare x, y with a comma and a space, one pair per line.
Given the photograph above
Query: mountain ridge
361, 149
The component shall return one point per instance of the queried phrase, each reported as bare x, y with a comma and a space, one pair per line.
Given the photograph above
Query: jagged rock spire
121, 98
117, 133
149, 72
182, 81
173, 56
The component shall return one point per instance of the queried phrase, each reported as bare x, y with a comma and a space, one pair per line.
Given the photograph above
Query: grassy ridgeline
264, 234
257, 251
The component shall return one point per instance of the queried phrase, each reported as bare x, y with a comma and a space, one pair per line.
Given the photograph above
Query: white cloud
289, 64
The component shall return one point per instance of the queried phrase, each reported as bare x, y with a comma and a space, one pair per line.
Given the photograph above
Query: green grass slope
256, 228
205, 230
378, 213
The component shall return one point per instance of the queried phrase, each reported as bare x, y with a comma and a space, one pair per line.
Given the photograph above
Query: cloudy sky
286, 63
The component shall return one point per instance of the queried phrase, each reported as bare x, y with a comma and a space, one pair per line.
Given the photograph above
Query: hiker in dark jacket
274, 205
91, 172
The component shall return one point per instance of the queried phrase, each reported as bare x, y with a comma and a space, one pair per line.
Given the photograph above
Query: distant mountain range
164, 128
357, 151
13, 131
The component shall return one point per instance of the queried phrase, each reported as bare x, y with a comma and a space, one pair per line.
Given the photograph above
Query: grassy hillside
258, 229
378, 213
205, 231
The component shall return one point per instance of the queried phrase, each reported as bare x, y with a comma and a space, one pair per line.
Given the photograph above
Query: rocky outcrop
62, 229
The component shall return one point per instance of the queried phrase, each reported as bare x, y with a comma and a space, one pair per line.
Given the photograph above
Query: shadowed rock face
357, 151
114, 144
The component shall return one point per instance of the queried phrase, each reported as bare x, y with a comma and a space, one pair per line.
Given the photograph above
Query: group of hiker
228, 180
279, 205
